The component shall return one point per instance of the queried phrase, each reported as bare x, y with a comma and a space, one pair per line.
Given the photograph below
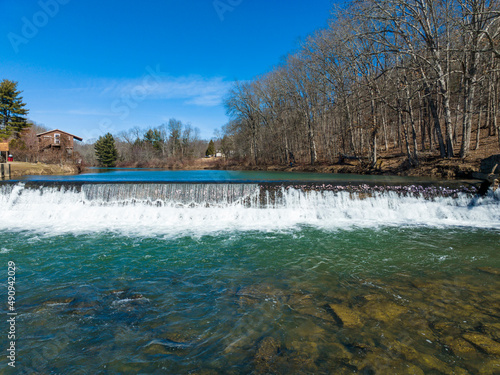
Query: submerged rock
483, 342
374, 297
308, 330
492, 330
431, 362
305, 304
379, 362
315, 312
423, 284
53, 304
268, 349
59, 301
460, 347
491, 367
447, 329
338, 353
423, 360
246, 301
385, 312
166, 347
490, 270
460, 371
304, 355
260, 292
421, 328
400, 349
79, 307
296, 300
267, 352
346, 316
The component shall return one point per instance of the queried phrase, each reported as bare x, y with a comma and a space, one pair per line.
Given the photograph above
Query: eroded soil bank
25, 169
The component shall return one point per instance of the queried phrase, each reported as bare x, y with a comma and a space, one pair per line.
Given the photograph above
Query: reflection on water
155, 175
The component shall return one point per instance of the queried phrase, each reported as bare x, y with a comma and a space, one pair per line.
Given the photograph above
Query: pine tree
105, 150
210, 149
153, 137
12, 110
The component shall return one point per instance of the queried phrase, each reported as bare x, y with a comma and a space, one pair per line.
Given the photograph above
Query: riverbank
25, 169
429, 166
390, 162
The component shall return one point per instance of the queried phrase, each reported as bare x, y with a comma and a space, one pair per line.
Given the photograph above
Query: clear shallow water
222, 279
117, 304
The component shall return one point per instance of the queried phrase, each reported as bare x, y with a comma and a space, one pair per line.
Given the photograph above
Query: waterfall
204, 208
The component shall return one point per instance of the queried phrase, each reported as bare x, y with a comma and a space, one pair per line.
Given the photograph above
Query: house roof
60, 131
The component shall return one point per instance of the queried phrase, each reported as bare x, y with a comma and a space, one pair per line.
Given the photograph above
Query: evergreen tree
105, 150
210, 149
12, 110
153, 137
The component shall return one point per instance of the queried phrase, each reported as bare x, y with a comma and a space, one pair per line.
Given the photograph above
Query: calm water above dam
217, 176
209, 276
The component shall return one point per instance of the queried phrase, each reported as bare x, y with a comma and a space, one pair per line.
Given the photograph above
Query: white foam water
199, 209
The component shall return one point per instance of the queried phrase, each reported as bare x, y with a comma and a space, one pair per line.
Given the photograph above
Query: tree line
172, 144
410, 76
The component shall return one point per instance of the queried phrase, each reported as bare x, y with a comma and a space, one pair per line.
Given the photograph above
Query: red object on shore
10, 158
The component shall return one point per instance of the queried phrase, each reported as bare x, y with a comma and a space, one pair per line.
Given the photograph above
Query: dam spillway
210, 207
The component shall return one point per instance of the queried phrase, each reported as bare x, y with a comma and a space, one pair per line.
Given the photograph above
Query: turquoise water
148, 175
126, 279
99, 303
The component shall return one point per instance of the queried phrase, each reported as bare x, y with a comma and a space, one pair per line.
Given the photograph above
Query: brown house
57, 140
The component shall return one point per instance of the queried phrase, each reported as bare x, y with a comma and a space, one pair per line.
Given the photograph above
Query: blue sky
89, 67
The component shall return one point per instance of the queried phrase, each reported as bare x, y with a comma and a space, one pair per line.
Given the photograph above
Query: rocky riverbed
432, 324
427, 325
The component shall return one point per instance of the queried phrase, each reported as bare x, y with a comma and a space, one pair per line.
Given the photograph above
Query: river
214, 272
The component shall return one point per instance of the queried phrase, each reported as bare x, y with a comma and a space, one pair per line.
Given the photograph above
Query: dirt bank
391, 162
23, 169
429, 166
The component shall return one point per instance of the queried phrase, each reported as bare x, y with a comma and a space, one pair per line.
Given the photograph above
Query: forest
170, 145
414, 77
